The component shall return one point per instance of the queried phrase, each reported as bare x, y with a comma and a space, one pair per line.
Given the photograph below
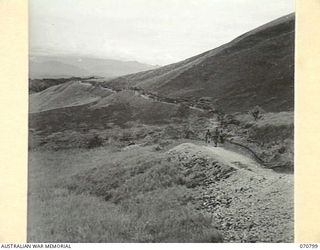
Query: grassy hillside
138, 194
38, 85
125, 160
130, 196
256, 68
122, 109
71, 93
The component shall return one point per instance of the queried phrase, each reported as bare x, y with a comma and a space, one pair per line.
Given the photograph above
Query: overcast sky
148, 31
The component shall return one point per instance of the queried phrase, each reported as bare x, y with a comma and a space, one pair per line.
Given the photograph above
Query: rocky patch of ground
247, 202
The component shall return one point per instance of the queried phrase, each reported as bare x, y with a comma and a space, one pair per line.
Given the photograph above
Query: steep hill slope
256, 68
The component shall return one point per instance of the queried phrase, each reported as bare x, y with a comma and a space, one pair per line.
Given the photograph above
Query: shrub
95, 142
256, 112
183, 110
230, 119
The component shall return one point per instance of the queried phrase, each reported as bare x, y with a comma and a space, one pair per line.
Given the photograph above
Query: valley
125, 159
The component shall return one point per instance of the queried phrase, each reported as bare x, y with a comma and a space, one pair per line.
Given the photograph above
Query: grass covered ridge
128, 196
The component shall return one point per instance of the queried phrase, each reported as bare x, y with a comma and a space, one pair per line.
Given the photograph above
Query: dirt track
262, 201
254, 204
235, 159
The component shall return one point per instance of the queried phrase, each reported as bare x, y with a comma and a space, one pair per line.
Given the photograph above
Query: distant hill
71, 93
77, 66
256, 68
66, 106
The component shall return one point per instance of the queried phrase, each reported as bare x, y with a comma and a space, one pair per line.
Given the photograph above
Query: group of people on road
217, 136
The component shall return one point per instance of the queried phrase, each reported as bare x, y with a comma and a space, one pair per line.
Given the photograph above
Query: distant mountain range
75, 66
256, 68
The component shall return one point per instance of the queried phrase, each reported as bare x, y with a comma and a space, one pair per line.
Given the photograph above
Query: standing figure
208, 136
216, 137
221, 137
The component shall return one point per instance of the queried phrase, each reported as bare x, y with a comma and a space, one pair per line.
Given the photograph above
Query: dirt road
253, 204
262, 201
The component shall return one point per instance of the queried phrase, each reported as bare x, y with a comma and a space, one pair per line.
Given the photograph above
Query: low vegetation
107, 172
123, 160
270, 137
129, 196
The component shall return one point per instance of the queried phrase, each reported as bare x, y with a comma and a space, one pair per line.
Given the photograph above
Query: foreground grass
103, 195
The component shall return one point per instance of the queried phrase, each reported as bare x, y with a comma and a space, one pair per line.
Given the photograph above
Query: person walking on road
216, 137
221, 137
208, 136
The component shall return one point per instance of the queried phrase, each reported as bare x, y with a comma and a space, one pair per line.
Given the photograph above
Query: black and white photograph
161, 121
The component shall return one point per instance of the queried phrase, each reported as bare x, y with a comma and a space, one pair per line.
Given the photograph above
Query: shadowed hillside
256, 68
